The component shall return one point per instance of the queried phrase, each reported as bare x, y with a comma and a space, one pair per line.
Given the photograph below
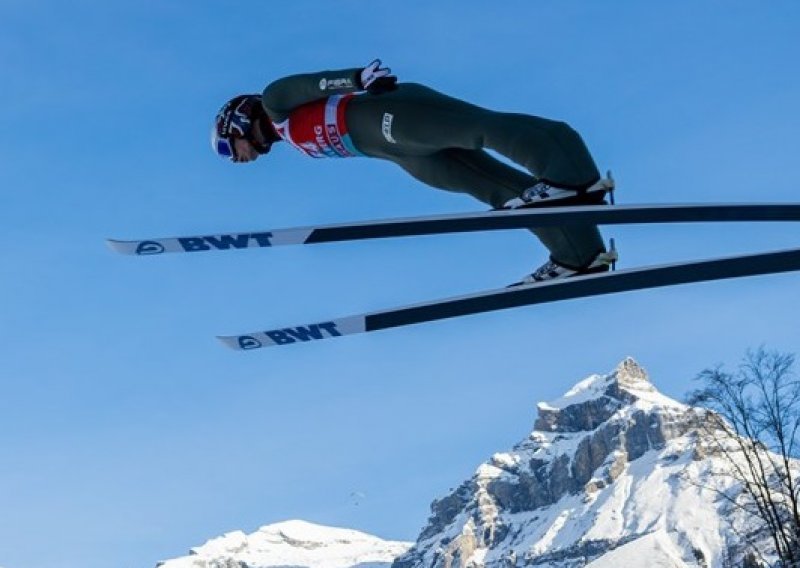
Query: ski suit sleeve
284, 95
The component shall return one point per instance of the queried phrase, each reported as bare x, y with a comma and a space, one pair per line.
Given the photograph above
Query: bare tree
755, 425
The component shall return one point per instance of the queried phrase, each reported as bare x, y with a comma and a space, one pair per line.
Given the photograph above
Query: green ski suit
441, 141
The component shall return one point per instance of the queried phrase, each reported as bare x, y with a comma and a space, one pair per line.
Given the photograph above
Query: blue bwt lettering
192, 244
279, 337
303, 333
225, 242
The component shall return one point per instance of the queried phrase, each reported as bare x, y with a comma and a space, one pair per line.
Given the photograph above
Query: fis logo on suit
225, 242
149, 247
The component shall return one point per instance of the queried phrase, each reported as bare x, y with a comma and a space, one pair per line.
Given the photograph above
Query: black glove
376, 79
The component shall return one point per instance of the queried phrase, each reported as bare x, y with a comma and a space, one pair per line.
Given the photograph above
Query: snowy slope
657, 549
295, 544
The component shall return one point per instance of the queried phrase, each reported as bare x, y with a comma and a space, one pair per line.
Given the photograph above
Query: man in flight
438, 139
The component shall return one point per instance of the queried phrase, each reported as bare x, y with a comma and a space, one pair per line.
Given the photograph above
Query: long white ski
504, 298
466, 222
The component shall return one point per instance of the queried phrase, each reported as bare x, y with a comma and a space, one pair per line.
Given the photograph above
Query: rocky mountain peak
597, 398
607, 446
629, 372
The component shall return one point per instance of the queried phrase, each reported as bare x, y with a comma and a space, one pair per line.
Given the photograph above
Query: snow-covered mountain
293, 544
614, 475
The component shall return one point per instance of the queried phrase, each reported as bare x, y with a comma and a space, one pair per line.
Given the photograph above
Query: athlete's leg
487, 179
550, 148
418, 120
473, 172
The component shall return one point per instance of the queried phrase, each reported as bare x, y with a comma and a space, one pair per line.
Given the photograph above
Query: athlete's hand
377, 79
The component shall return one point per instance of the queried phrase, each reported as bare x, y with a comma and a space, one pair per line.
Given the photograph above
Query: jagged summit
630, 371
595, 399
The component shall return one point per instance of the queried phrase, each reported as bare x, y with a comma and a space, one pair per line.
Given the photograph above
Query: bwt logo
302, 333
225, 242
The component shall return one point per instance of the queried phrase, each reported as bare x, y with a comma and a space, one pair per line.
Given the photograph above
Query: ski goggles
232, 122
223, 146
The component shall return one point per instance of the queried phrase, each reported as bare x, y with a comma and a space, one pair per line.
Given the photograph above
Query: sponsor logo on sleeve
335, 84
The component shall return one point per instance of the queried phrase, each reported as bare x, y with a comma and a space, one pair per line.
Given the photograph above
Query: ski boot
543, 194
552, 270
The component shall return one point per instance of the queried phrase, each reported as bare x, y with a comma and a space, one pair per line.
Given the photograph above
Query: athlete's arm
282, 96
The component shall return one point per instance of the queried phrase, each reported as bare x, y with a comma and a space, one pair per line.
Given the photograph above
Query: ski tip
132, 248
241, 342
117, 246
230, 341
296, 334
138, 248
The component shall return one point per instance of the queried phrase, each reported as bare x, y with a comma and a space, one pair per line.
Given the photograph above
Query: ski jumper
441, 141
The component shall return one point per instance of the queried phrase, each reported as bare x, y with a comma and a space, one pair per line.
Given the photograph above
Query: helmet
236, 120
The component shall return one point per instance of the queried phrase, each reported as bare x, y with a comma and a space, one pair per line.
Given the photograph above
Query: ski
526, 295
465, 222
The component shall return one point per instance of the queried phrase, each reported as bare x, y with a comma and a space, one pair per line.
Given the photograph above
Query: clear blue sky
128, 434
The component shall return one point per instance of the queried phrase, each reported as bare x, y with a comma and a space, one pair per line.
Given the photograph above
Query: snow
504, 460
656, 547
554, 530
294, 543
586, 390
648, 398
658, 501
595, 386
